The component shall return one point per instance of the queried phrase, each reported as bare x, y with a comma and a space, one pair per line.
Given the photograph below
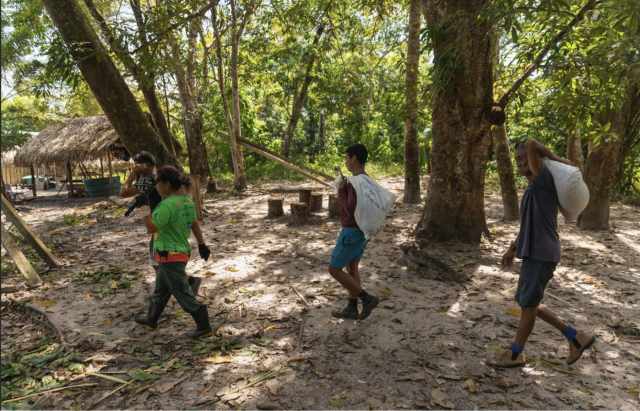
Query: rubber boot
369, 302
194, 283
153, 315
350, 312
201, 317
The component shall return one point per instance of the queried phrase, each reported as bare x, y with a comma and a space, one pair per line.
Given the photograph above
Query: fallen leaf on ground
440, 399
44, 302
471, 386
219, 359
514, 312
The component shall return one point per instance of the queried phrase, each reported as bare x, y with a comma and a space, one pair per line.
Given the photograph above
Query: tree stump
212, 186
275, 207
334, 212
305, 196
299, 213
316, 202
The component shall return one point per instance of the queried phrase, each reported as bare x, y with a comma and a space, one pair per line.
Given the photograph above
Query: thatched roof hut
77, 139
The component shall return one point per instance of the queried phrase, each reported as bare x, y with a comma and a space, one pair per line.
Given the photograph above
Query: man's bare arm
536, 151
129, 189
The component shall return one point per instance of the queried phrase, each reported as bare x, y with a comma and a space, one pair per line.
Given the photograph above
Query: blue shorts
349, 247
534, 277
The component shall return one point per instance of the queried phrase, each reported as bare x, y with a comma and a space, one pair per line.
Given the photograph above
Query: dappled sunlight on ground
277, 345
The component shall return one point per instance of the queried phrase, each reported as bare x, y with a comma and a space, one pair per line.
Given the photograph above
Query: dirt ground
277, 346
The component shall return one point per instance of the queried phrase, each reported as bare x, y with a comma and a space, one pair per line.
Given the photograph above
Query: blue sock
570, 333
515, 350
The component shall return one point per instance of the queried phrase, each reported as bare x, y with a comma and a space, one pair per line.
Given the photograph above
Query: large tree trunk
411, 149
505, 171
600, 169
301, 95
599, 176
240, 179
106, 83
463, 73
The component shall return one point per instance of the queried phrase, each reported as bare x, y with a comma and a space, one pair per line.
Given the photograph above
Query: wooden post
316, 202
70, 178
275, 207
23, 264
212, 186
305, 196
109, 164
84, 171
36, 243
299, 213
33, 181
333, 206
195, 194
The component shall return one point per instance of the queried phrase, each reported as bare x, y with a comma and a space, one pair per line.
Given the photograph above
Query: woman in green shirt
172, 221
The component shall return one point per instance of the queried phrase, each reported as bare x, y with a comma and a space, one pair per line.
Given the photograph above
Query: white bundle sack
374, 203
573, 193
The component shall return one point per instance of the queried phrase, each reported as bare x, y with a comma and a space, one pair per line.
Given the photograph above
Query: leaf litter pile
277, 346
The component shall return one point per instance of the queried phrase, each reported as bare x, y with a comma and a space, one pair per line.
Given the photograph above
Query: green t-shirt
173, 218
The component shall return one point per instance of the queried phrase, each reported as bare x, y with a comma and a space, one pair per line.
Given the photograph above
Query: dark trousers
171, 279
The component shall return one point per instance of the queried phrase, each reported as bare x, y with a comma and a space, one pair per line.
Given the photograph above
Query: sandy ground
277, 346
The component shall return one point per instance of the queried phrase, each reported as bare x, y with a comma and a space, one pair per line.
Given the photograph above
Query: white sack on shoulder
573, 193
374, 203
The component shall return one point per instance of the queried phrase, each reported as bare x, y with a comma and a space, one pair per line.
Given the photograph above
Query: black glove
204, 251
139, 201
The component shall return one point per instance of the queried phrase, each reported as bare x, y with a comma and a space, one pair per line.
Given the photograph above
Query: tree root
422, 263
38, 316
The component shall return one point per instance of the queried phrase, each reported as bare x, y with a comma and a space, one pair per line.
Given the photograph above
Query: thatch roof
77, 139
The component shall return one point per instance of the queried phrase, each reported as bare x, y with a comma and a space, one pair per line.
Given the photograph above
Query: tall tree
463, 89
411, 148
301, 91
238, 24
505, 172
143, 74
497, 117
600, 173
105, 80
574, 148
190, 97
239, 18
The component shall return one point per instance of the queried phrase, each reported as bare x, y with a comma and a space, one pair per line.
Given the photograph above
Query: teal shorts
349, 247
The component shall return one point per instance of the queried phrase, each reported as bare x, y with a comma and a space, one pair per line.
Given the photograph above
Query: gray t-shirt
538, 238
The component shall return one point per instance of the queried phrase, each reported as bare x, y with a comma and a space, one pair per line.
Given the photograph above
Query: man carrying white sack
538, 245
363, 206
